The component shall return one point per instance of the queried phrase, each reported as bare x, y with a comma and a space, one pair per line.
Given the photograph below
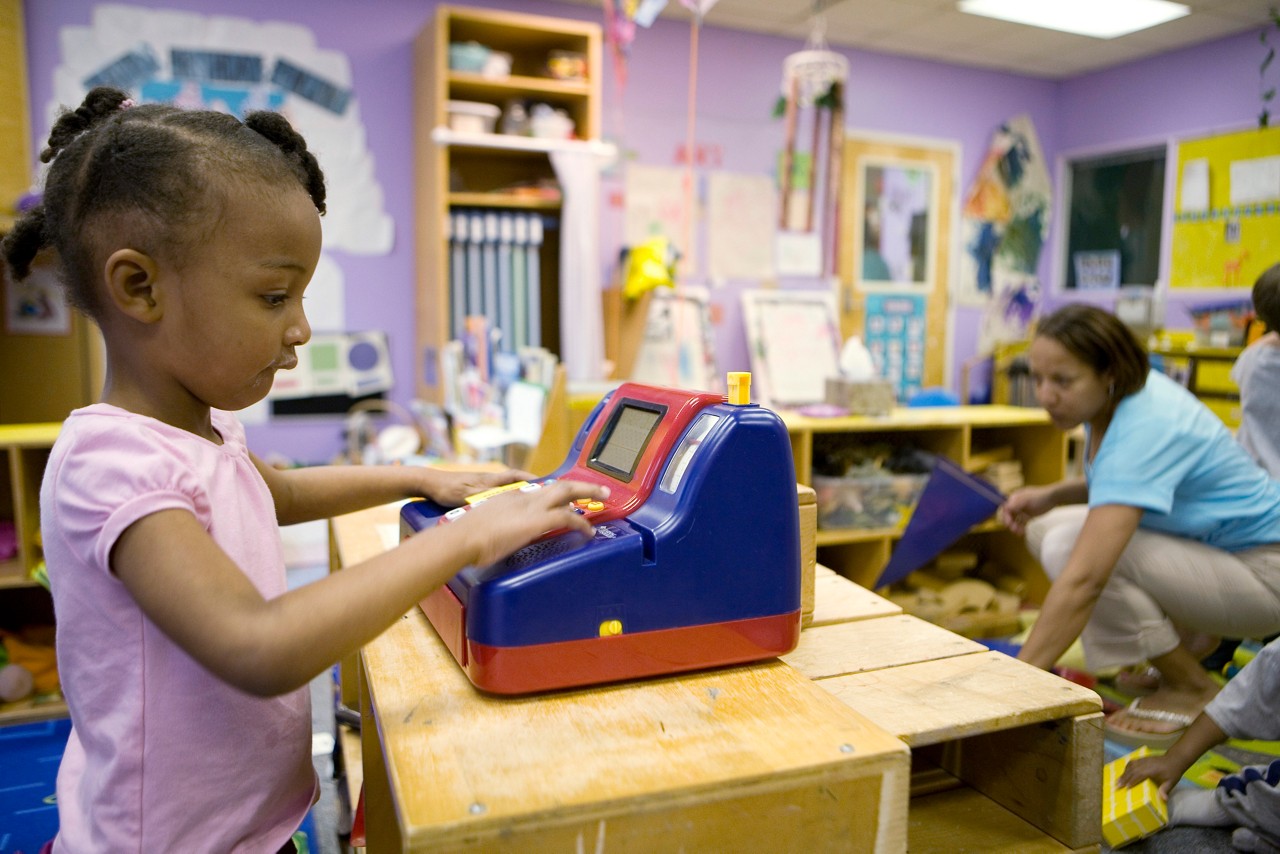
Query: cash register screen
624, 440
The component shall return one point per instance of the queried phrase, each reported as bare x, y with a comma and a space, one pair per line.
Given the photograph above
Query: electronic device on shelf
694, 560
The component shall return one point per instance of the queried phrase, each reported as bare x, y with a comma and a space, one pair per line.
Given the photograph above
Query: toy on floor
1132, 813
27, 667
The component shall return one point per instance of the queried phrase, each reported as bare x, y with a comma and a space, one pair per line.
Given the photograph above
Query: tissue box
871, 397
1130, 814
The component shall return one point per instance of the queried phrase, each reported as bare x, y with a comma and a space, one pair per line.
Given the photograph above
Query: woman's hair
153, 177
1100, 340
1266, 297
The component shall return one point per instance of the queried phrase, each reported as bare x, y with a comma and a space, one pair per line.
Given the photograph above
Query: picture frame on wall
895, 223
794, 343
36, 305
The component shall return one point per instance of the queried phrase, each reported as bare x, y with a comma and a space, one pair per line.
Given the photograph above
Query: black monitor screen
624, 439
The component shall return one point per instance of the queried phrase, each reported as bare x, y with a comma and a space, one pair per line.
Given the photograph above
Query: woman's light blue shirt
1168, 454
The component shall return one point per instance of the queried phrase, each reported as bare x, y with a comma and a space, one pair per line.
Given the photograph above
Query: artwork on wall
677, 348
898, 212
1005, 218
1226, 223
897, 205
895, 337
36, 305
794, 341
236, 65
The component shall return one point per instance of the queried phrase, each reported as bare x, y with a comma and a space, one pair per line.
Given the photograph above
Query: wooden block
874, 644
959, 696
1028, 769
1131, 813
979, 460
820, 571
836, 599
743, 758
808, 549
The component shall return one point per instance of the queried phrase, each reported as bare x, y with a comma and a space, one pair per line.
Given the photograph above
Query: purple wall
1205, 88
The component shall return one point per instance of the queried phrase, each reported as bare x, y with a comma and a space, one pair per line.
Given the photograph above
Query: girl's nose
299, 331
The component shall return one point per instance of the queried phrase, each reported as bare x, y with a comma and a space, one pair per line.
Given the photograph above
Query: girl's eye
275, 300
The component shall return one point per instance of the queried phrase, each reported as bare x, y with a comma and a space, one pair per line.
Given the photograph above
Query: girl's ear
132, 284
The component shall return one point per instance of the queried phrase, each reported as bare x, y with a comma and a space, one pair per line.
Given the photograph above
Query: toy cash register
694, 561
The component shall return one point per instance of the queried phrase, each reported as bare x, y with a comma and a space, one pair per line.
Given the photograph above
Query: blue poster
895, 336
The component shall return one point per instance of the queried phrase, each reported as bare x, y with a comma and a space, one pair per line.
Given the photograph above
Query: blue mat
30, 754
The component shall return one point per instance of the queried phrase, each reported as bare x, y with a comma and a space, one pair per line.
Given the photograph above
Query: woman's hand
1025, 504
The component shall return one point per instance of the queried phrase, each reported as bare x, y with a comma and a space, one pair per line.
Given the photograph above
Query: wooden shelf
29, 712
970, 436
502, 200
456, 170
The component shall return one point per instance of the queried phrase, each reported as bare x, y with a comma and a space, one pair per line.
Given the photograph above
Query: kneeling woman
1181, 531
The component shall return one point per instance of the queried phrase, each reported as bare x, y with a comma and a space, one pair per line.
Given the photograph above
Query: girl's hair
153, 177
1266, 297
1100, 340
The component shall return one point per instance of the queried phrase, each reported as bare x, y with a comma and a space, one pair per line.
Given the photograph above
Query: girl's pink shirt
163, 755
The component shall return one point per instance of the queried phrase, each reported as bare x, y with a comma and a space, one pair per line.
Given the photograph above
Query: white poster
740, 226
656, 207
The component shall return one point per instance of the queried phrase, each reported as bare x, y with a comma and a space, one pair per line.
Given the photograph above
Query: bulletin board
927, 290
1226, 221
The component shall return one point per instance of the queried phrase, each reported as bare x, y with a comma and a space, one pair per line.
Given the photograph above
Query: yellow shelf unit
966, 434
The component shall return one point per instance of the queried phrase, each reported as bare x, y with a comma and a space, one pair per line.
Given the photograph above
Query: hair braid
276, 129
24, 242
101, 102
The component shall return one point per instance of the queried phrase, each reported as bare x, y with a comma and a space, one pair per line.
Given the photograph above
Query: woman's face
1071, 391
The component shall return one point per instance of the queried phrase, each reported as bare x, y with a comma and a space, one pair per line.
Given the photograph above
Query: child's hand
504, 523
1164, 770
451, 488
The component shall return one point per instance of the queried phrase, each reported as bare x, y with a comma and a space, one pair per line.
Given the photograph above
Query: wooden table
809, 752
752, 758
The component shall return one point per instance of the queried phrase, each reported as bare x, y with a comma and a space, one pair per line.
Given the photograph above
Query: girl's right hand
1025, 504
510, 520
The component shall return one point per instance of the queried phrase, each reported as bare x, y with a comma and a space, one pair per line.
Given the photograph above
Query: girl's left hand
451, 488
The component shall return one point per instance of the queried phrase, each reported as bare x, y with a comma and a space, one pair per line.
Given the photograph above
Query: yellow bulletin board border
1223, 245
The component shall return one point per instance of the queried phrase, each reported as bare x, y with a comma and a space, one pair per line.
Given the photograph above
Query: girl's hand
451, 488
1025, 504
506, 522
1164, 770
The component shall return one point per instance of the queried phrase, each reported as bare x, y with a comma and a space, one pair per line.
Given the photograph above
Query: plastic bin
867, 501
472, 116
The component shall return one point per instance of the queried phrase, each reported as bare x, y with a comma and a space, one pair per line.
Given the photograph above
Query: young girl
189, 238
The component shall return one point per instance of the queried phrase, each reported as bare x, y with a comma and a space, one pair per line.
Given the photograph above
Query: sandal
1154, 740
1137, 681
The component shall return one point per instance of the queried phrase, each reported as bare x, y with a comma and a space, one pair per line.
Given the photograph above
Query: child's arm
1168, 769
188, 586
304, 494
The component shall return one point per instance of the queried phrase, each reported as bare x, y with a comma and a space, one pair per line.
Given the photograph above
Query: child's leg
1251, 798
1197, 808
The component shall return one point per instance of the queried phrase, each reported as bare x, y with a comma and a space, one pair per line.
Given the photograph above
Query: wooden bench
1020, 738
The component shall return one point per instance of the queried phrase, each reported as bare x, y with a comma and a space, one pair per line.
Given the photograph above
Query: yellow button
595, 506
582, 502
610, 628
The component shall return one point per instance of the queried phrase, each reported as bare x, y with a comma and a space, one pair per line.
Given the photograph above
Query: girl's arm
305, 494
1106, 532
189, 587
